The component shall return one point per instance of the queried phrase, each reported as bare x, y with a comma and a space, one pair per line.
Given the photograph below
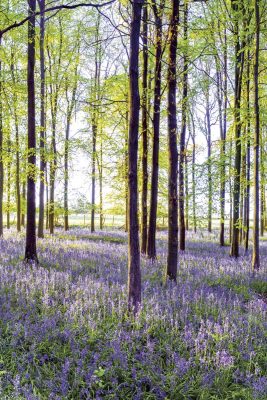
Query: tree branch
55, 8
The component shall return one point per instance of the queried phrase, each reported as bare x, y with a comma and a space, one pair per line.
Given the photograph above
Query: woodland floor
65, 334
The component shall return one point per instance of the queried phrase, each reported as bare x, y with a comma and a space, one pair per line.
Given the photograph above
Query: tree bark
70, 108
101, 214
66, 175
1, 148
144, 132
256, 178
239, 60
262, 191
183, 134
9, 160
172, 258
54, 99
24, 202
15, 105
134, 271
94, 130
208, 122
222, 87
151, 240
95, 120
30, 249
42, 121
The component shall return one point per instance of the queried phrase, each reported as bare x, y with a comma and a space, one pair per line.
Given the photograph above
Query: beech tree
151, 240
173, 151
256, 225
134, 272
30, 249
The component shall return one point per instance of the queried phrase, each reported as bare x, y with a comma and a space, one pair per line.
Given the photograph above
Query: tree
145, 130
182, 149
30, 249
239, 63
151, 240
256, 178
172, 257
42, 121
1, 148
134, 272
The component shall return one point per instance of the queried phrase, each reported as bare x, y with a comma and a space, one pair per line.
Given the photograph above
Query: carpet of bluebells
65, 332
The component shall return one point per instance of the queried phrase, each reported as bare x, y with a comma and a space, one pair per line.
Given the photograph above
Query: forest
133, 207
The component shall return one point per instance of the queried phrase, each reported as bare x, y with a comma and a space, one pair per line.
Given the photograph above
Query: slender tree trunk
144, 131
194, 186
17, 182
95, 122
172, 258
54, 97
230, 191
24, 202
239, 60
30, 249
94, 130
194, 174
70, 108
247, 195
47, 201
42, 122
101, 215
262, 191
134, 271
151, 240
242, 194
186, 195
222, 99
53, 166
183, 134
209, 164
256, 178
126, 166
9, 152
18, 197
66, 175
1, 148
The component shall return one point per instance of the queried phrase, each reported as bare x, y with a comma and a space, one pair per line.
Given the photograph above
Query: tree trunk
9, 159
1, 148
30, 249
262, 191
186, 195
53, 165
222, 101
42, 122
17, 182
144, 131
95, 120
209, 163
194, 173
47, 201
94, 130
239, 60
172, 258
24, 202
134, 271
183, 134
256, 178
70, 108
54, 99
101, 215
151, 240
126, 166
66, 175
